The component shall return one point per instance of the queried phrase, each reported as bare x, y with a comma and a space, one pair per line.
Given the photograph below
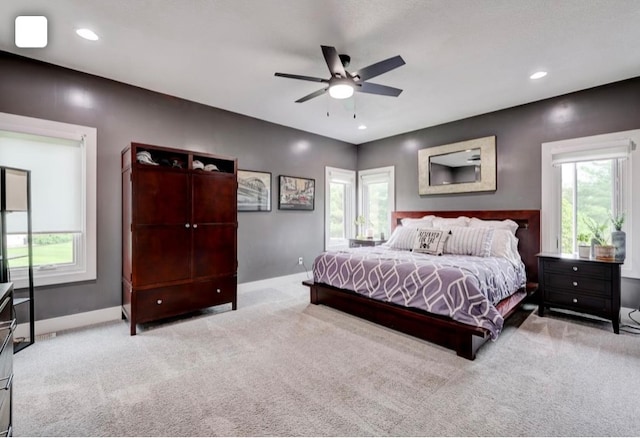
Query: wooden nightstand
583, 285
355, 243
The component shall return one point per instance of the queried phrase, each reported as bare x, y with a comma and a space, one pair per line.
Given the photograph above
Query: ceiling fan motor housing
345, 60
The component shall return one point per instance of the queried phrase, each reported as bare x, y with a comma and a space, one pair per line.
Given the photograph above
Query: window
62, 161
589, 180
340, 201
377, 199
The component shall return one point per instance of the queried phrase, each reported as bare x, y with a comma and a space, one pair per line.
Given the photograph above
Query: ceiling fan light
341, 91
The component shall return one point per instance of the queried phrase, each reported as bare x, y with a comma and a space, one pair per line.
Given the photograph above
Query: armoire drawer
214, 292
152, 304
163, 302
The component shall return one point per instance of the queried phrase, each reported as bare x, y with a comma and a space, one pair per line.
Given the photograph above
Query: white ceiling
463, 57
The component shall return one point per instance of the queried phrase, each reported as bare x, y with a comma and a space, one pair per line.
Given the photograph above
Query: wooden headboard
528, 232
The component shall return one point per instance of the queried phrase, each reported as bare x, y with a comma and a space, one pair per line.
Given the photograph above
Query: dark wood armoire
179, 232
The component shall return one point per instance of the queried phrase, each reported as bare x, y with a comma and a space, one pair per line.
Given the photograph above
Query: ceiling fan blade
368, 87
379, 68
333, 61
302, 78
312, 95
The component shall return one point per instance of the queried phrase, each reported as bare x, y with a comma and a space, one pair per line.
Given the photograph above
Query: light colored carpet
281, 366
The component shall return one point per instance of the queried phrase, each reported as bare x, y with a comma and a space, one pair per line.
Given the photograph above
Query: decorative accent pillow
402, 238
469, 241
506, 224
430, 241
444, 223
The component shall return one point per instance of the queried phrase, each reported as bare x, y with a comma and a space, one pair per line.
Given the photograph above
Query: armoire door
214, 250
162, 226
214, 198
161, 196
214, 206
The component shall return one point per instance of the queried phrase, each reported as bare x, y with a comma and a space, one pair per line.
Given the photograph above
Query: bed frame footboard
464, 339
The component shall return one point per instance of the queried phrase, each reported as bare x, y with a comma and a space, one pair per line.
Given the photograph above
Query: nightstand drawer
576, 267
580, 303
579, 284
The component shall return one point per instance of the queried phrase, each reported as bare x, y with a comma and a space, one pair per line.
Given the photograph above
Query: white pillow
425, 222
506, 224
469, 241
430, 241
444, 223
504, 245
402, 238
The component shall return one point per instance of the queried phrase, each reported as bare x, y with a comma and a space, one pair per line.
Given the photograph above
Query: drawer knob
575, 283
575, 300
187, 225
575, 268
159, 301
218, 291
195, 225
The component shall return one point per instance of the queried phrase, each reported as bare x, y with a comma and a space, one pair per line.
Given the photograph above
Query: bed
464, 333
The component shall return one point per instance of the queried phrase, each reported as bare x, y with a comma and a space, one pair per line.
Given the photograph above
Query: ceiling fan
342, 83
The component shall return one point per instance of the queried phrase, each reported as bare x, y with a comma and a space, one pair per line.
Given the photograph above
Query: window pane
593, 200
337, 212
378, 206
49, 250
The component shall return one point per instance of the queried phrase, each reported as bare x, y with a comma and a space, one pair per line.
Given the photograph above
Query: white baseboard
269, 282
67, 322
53, 325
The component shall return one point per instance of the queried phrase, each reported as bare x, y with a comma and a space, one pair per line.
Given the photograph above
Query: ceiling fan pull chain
328, 104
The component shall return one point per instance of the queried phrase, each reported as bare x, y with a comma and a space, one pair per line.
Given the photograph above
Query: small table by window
356, 243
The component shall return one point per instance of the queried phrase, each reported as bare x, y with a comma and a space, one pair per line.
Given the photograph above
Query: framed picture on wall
296, 193
254, 190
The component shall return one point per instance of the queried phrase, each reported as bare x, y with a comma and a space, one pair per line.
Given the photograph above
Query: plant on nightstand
618, 237
584, 247
359, 223
600, 248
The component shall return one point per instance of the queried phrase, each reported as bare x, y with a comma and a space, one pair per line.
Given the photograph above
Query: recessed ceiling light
87, 34
538, 75
361, 127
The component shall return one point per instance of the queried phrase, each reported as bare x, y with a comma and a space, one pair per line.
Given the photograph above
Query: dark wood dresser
582, 285
7, 326
179, 232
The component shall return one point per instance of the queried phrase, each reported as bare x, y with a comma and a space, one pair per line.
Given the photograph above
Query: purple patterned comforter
465, 288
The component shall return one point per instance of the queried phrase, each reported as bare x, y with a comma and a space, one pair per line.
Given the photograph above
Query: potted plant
618, 237
600, 248
584, 247
359, 222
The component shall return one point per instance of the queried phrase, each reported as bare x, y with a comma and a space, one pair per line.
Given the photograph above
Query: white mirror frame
487, 183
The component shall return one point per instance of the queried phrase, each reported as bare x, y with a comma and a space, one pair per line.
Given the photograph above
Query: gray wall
269, 244
519, 132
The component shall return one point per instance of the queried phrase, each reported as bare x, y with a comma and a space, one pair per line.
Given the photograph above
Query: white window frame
348, 177
85, 246
376, 175
551, 194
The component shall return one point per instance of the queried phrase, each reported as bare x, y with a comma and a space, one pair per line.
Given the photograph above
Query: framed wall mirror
463, 167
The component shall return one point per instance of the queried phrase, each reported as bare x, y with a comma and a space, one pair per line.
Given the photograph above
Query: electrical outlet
299, 260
